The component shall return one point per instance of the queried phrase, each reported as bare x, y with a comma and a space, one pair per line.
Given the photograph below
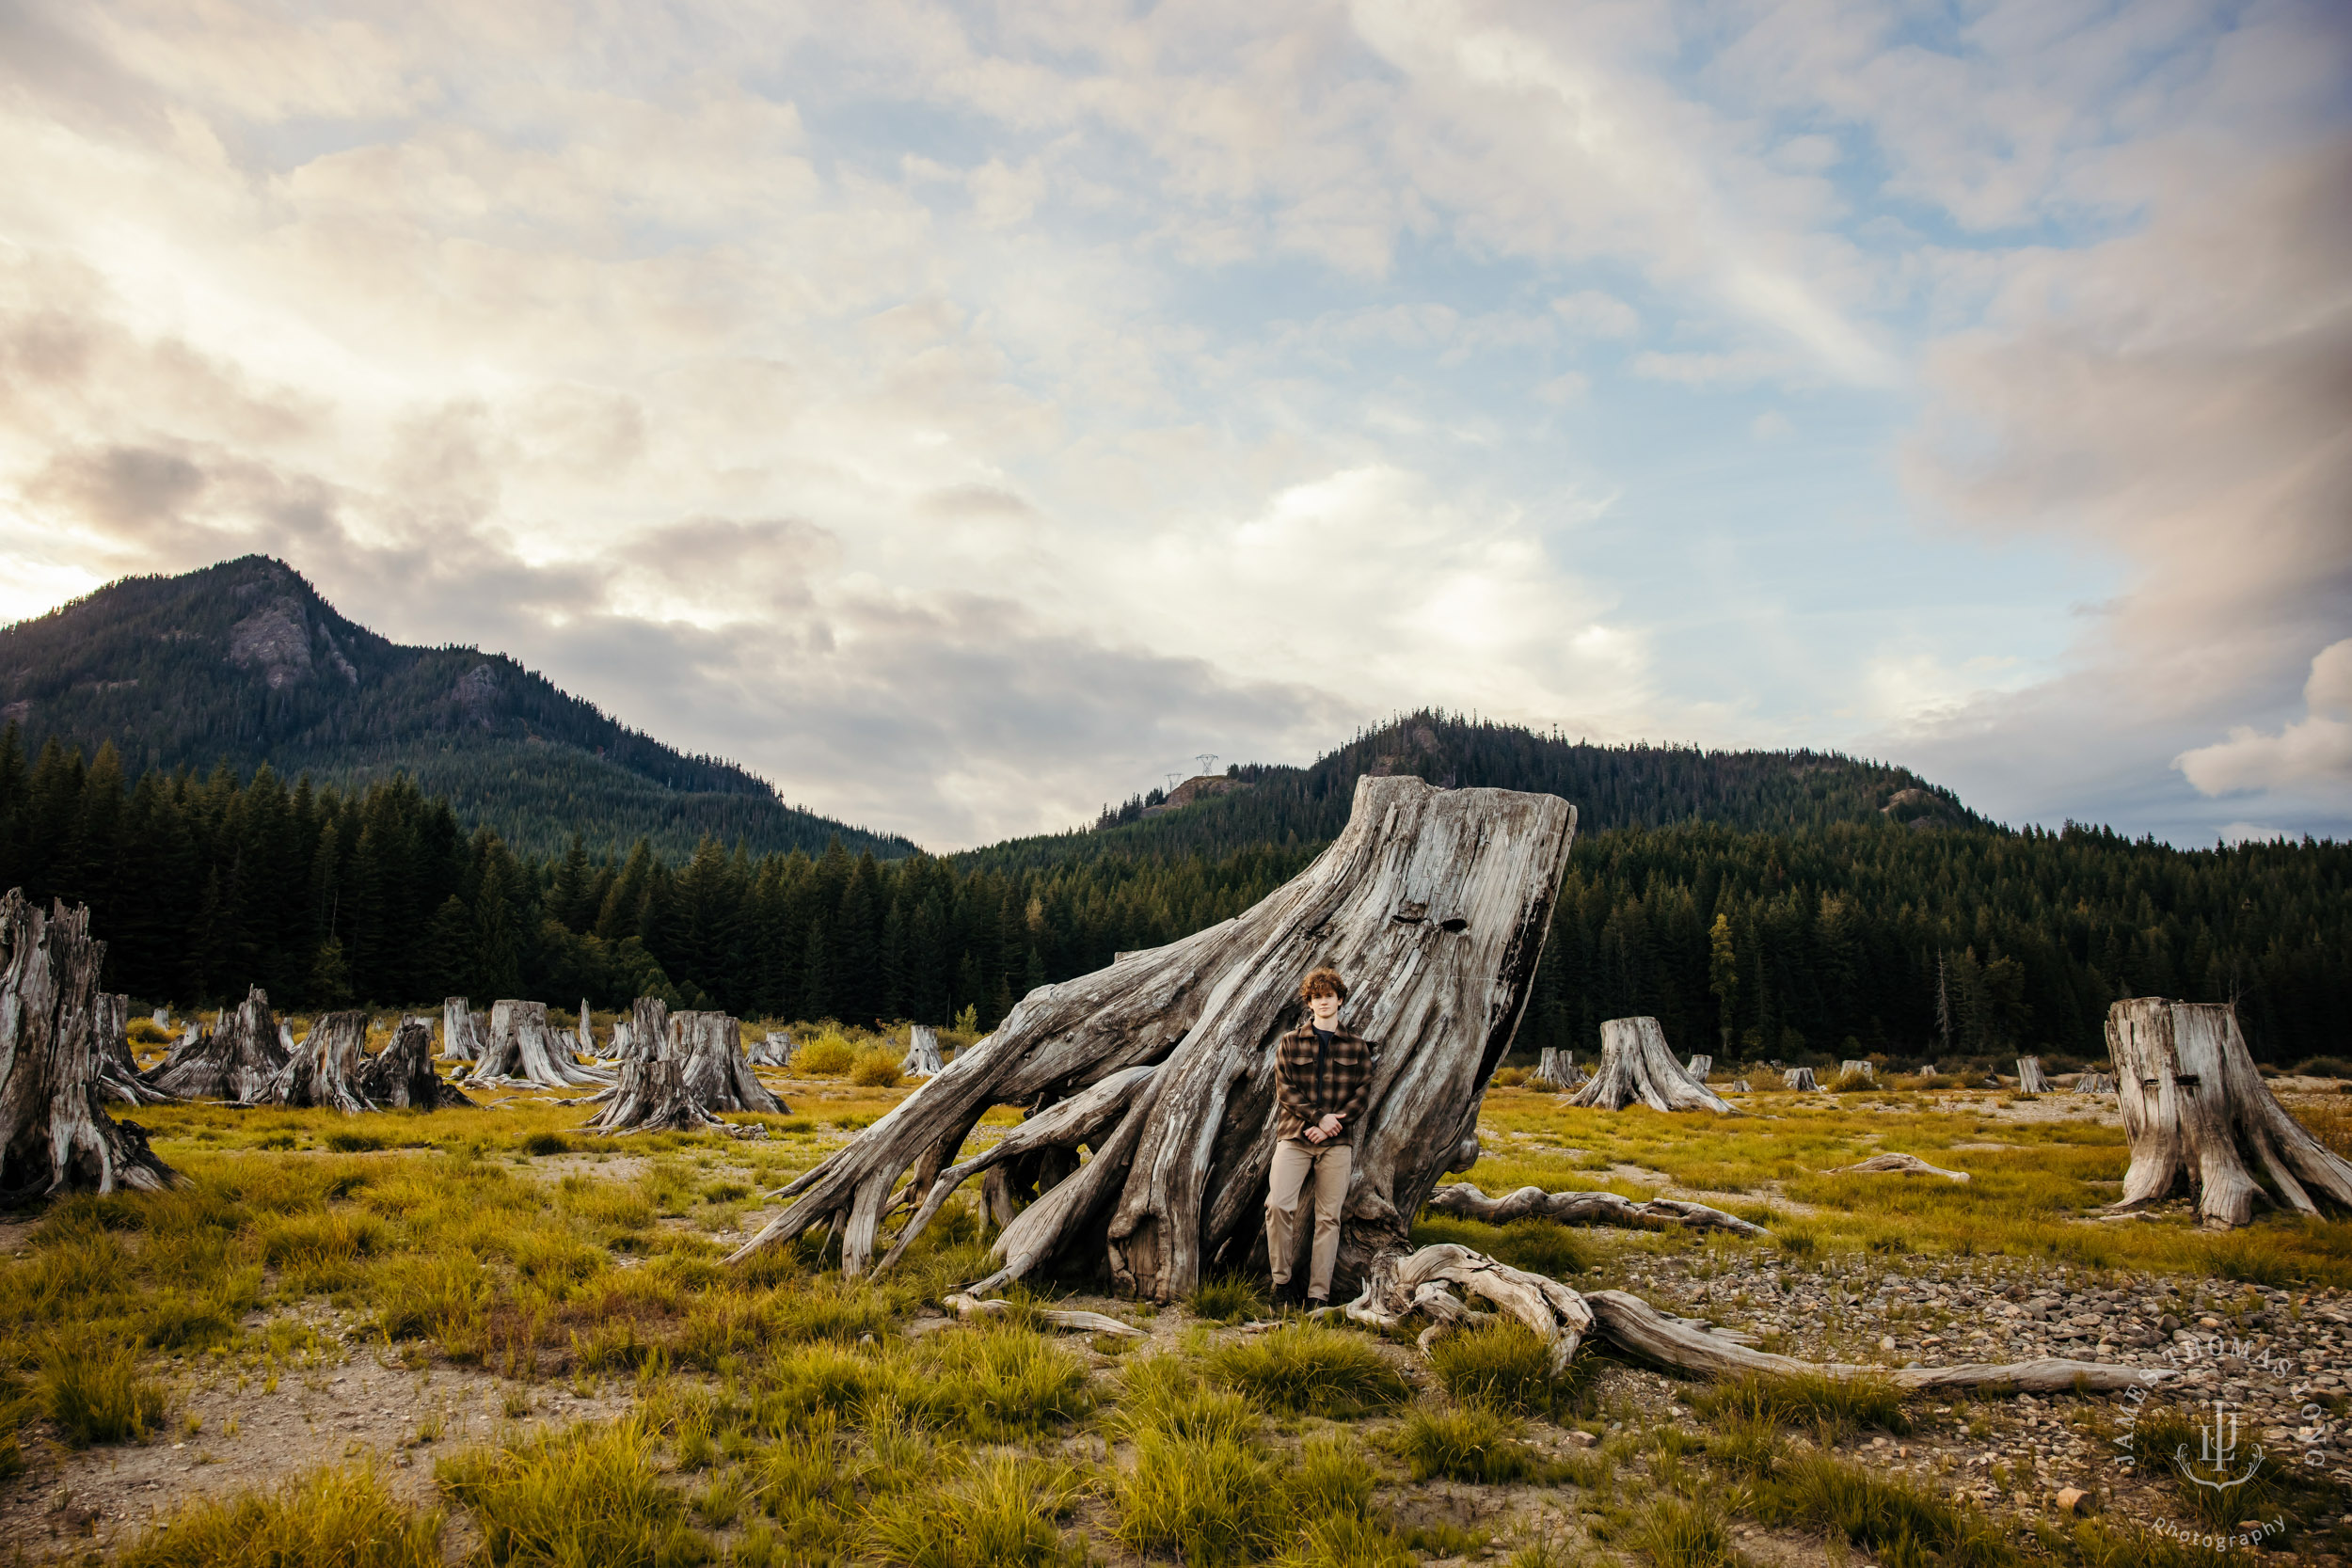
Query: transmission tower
1206, 759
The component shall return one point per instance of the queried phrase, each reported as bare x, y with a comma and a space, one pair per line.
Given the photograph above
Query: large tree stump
460, 1041
2195, 1108
2095, 1083
1700, 1067
2030, 1078
586, 1040
652, 1094
402, 1075
322, 1071
775, 1049
119, 1077
718, 1075
521, 1050
922, 1059
1857, 1067
1556, 1068
1800, 1078
235, 1061
1635, 1065
1433, 903
55, 1132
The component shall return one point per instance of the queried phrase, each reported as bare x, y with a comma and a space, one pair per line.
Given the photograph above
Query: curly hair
1321, 980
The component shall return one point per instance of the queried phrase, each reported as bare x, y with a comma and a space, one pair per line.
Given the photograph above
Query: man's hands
1322, 1132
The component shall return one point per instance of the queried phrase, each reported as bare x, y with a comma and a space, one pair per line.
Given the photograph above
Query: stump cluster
236, 1060
1637, 1067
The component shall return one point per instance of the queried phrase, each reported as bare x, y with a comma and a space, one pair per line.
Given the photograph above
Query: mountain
245, 663
1613, 786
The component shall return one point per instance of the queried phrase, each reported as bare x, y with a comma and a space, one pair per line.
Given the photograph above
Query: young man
1321, 1074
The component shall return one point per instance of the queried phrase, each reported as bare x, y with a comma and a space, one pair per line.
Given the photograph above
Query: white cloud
2315, 751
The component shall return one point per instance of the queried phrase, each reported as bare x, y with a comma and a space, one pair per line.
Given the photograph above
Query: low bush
1674, 1533
344, 1517
1305, 1368
2324, 1067
826, 1056
875, 1069
146, 1031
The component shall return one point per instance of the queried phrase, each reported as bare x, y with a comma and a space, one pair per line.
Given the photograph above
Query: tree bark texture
56, 1134
1636, 1066
1857, 1069
1659, 1213
2094, 1083
923, 1059
775, 1050
2030, 1078
324, 1069
402, 1075
586, 1039
460, 1041
652, 1094
1700, 1067
2195, 1110
1432, 904
718, 1075
1553, 1066
521, 1049
118, 1076
235, 1061
1800, 1078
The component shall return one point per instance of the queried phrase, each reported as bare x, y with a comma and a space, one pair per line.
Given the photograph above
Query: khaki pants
1294, 1161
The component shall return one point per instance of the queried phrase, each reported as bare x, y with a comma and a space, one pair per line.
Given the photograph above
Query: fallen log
235, 1061
2030, 1078
1465, 1201
461, 1039
1433, 903
402, 1075
717, 1074
54, 1133
1635, 1066
2195, 1108
1397, 1286
1896, 1164
321, 1073
922, 1059
1075, 1320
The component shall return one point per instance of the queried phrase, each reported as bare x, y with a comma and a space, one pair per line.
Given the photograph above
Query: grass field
575, 1378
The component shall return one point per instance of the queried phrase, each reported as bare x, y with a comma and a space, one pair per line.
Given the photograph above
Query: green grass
1501, 1364
588, 1495
1163, 1394
1469, 1443
96, 1395
1305, 1368
1230, 1299
331, 1518
997, 1512
1676, 1532
1892, 1515
1836, 1406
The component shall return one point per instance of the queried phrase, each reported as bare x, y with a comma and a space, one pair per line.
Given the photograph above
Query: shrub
343, 1517
875, 1069
1308, 1368
1228, 1300
826, 1056
1502, 1365
351, 1140
1347, 1541
95, 1395
545, 1142
1512, 1077
1469, 1443
998, 1513
2325, 1066
1853, 1083
1873, 1509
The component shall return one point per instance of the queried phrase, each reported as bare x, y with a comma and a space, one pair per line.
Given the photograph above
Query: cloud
2315, 751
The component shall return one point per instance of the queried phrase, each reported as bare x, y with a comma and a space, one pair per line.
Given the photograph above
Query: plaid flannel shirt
1312, 1081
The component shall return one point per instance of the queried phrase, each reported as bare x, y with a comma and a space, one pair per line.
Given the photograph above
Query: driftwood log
1432, 904
922, 1059
55, 1132
2196, 1110
2030, 1078
1466, 1201
119, 1077
460, 1041
1636, 1066
402, 1075
1075, 1321
235, 1061
2094, 1083
1896, 1164
718, 1075
322, 1071
1800, 1078
522, 1050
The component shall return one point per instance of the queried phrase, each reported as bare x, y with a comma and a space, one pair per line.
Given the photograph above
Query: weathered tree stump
2030, 1078
1659, 1213
1700, 1067
322, 1071
54, 1133
585, 1041
652, 1094
522, 1050
1896, 1164
718, 1075
2094, 1083
775, 1049
1636, 1066
922, 1059
402, 1075
1800, 1078
2195, 1108
1433, 905
119, 1077
1859, 1069
234, 1062
1740, 1086
1552, 1065
460, 1041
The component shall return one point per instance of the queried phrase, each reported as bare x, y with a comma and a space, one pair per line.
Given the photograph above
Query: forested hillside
243, 662
1793, 940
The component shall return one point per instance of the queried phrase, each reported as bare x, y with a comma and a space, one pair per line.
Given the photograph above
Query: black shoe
1287, 1296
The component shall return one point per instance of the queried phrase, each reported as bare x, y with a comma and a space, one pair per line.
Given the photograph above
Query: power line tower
1206, 759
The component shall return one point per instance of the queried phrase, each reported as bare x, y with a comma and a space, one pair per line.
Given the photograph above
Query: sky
964, 415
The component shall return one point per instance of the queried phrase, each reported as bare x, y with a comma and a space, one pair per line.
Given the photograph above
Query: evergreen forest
1849, 931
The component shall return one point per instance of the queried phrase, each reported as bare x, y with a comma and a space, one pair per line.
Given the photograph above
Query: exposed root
1896, 1164
967, 1307
1660, 1214
1396, 1287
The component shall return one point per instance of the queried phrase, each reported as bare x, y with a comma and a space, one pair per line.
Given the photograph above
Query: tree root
1075, 1321
1466, 1201
1896, 1164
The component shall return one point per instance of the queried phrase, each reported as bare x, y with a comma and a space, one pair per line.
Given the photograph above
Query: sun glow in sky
963, 415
